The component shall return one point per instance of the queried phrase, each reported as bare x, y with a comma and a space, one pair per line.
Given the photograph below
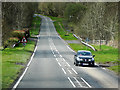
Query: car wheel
76, 64
93, 63
89, 63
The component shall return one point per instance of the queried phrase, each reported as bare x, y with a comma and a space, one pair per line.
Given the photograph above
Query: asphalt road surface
52, 65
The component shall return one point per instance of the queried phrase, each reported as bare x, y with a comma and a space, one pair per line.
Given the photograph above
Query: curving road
52, 65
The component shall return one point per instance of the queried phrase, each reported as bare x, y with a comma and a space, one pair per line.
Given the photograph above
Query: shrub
27, 32
11, 41
18, 33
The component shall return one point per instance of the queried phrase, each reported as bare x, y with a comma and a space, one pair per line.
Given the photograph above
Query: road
52, 65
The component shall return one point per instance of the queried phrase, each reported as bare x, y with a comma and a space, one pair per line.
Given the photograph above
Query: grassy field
15, 59
108, 55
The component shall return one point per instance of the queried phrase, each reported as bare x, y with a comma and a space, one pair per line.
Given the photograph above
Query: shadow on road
95, 66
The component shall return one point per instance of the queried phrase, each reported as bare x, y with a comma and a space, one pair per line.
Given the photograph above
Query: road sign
24, 40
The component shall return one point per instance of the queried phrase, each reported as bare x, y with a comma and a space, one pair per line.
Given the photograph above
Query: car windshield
84, 53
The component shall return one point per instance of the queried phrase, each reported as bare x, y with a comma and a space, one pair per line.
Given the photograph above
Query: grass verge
58, 22
15, 59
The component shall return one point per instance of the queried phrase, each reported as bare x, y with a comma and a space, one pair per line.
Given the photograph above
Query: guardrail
84, 43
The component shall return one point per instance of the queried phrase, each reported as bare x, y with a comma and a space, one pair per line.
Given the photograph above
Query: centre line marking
69, 71
74, 71
64, 71
77, 81
71, 82
59, 64
58, 53
61, 56
68, 64
53, 52
56, 59
86, 83
54, 55
64, 59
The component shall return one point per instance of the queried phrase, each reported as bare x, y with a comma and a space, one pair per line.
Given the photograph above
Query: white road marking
77, 81
61, 56
64, 71
64, 59
58, 53
59, 64
68, 64
74, 71
70, 49
25, 69
69, 71
86, 82
20, 78
54, 55
56, 59
71, 82
58, 36
53, 52
51, 49
56, 50
104, 68
30, 60
35, 49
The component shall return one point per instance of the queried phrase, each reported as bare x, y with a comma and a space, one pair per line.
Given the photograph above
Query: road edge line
18, 81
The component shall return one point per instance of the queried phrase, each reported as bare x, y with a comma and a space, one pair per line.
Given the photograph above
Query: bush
27, 32
18, 33
11, 41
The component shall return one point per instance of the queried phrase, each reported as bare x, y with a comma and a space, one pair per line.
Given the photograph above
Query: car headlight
89, 59
78, 59
92, 59
81, 59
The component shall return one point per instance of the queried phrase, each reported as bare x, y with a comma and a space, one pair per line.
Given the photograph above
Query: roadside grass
115, 68
58, 23
15, 59
108, 55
